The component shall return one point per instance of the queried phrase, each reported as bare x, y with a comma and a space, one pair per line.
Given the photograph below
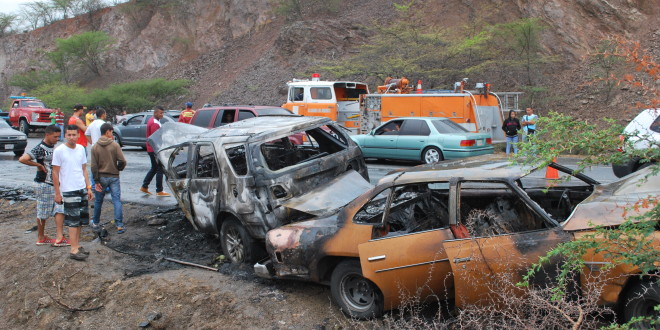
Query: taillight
467, 143
489, 141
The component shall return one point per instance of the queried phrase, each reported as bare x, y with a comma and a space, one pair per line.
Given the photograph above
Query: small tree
6, 23
86, 49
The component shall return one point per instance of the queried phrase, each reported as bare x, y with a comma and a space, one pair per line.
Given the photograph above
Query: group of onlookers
512, 127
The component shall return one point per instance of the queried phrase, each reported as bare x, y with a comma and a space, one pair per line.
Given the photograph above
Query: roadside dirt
125, 280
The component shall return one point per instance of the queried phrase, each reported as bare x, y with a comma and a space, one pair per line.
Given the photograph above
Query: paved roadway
17, 175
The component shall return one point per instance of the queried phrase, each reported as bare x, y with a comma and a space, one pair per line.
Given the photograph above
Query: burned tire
432, 155
640, 301
23, 126
356, 296
237, 244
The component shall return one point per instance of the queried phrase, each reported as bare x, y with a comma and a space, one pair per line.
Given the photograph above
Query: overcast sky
11, 6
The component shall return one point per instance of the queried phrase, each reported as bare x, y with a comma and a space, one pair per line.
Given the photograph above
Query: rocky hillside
242, 51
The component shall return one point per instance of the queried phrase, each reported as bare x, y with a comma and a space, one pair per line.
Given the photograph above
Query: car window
296, 93
245, 114
203, 118
165, 119
302, 147
206, 165
655, 126
372, 211
448, 126
273, 111
237, 159
321, 93
391, 128
493, 208
419, 207
179, 162
137, 120
415, 127
224, 117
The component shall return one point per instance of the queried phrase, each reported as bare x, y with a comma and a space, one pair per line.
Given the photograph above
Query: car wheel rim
431, 156
357, 292
234, 245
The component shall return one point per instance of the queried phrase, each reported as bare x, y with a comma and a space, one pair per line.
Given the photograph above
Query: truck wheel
431, 155
640, 302
236, 242
117, 139
356, 296
23, 126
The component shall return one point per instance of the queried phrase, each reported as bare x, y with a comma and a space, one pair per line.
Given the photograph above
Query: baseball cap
189, 104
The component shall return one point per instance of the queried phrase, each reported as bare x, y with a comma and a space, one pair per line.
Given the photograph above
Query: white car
643, 132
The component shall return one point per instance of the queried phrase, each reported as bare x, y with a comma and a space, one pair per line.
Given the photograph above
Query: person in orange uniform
187, 114
76, 121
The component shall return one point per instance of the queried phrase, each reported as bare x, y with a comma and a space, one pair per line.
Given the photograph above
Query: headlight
35, 116
21, 137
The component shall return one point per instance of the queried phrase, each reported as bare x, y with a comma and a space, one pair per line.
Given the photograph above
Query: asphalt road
17, 175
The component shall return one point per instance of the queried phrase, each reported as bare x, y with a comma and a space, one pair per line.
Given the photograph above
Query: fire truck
337, 100
478, 111
28, 113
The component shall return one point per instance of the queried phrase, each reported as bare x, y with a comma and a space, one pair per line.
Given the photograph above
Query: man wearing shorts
72, 188
41, 157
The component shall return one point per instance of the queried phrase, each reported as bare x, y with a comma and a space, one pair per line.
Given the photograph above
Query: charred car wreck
446, 229
233, 181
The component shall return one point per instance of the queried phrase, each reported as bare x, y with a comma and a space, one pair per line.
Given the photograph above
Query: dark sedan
11, 139
133, 130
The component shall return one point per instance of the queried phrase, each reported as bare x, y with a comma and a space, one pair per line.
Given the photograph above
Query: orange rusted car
445, 229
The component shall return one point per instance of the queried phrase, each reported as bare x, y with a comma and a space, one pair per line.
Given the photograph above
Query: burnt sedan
446, 230
233, 181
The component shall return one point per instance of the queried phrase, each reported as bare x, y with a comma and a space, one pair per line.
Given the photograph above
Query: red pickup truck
28, 113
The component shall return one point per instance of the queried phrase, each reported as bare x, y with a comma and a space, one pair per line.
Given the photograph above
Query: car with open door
445, 230
232, 181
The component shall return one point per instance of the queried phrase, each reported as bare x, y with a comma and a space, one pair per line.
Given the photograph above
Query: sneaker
121, 230
162, 194
145, 190
62, 242
46, 241
79, 256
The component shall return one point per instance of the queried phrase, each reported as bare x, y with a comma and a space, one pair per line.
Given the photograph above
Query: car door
131, 131
413, 137
178, 173
204, 187
410, 260
493, 256
381, 143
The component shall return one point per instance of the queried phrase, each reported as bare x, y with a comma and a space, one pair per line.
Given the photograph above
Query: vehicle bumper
40, 124
460, 153
13, 145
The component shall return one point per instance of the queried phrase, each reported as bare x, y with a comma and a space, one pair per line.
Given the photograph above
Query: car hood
173, 134
10, 132
331, 197
611, 204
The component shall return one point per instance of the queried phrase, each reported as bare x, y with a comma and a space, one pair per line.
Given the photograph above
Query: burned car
232, 181
446, 229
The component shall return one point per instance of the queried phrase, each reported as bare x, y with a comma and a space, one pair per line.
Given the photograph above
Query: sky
11, 6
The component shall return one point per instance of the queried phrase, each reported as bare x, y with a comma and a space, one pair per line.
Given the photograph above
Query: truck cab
337, 100
28, 114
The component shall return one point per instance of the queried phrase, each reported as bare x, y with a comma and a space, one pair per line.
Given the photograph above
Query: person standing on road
153, 125
187, 114
76, 121
41, 157
57, 118
107, 161
72, 188
529, 123
511, 127
90, 117
93, 133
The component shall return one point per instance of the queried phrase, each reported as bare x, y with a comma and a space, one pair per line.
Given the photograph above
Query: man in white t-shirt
72, 188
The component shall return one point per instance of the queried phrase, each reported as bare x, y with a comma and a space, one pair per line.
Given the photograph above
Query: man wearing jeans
72, 188
107, 161
153, 125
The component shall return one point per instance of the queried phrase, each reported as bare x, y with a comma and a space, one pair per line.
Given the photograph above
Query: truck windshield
34, 104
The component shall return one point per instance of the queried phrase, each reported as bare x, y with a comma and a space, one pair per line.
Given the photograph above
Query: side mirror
125, 122
373, 132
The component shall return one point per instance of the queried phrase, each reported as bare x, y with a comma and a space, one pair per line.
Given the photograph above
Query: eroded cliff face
238, 51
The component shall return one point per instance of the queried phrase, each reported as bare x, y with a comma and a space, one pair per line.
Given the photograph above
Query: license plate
480, 143
9, 146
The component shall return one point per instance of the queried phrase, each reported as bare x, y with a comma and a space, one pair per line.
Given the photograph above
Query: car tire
640, 302
23, 126
621, 170
117, 139
237, 244
356, 296
432, 155
19, 153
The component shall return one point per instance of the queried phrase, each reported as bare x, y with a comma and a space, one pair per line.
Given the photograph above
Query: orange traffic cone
552, 173
419, 87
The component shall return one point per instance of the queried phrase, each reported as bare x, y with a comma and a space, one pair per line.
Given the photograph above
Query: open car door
204, 185
176, 163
